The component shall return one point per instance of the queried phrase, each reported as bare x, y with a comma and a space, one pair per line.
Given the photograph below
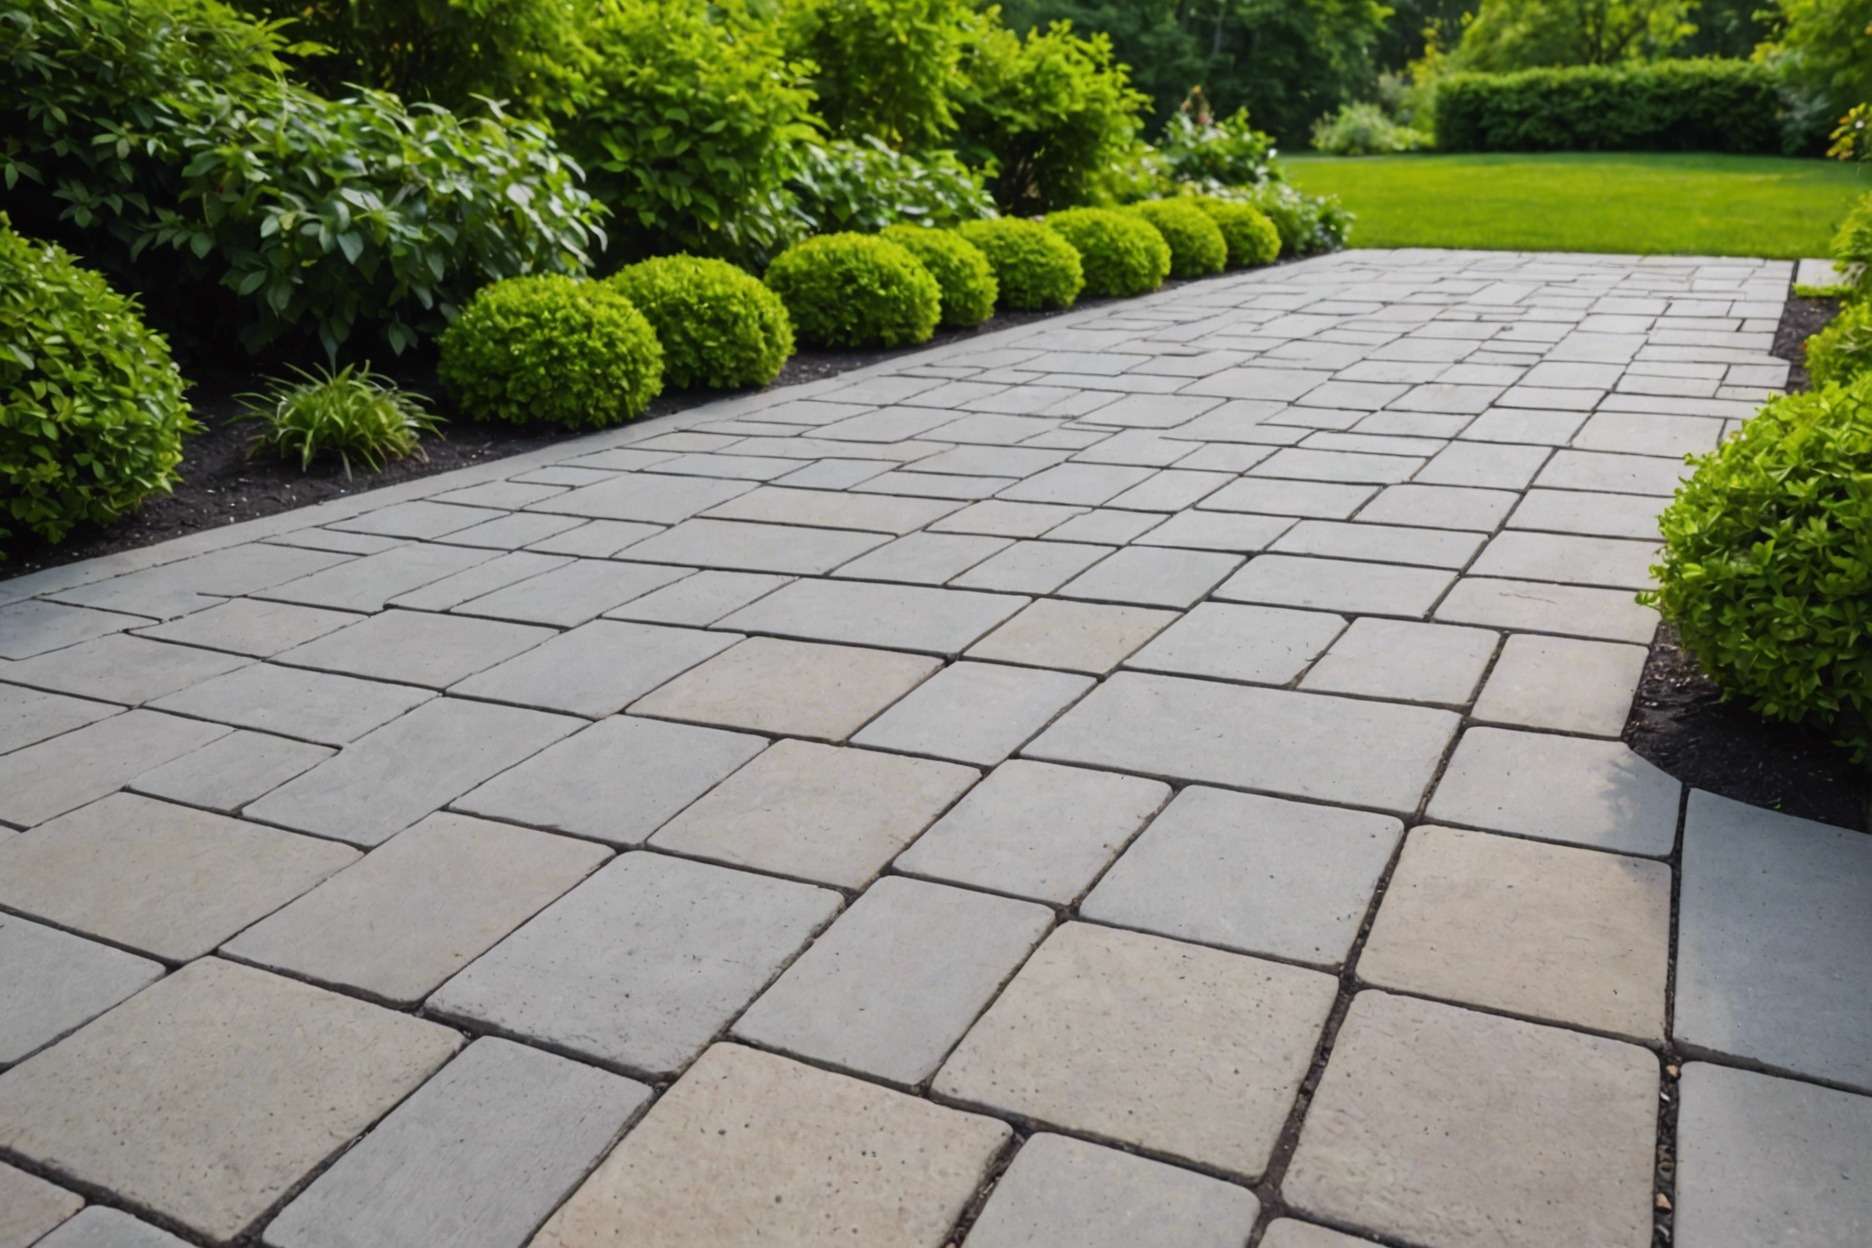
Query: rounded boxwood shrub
91, 410
1843, 349
1121, 253
1767, 562
718, 325
959, 267
856, 290
1197, 248
1034, 267
1251, 238
559, 349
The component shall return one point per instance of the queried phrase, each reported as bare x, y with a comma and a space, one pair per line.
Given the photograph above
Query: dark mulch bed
1800, 320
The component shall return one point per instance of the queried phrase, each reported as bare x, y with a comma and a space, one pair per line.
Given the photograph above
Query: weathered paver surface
1149, 776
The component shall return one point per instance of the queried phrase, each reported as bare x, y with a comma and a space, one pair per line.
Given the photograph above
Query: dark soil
1800, 320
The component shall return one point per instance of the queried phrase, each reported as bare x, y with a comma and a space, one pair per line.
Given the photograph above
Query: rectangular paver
54, 982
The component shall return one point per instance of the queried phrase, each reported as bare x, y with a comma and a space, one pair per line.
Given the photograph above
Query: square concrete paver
417, 647
64, 772
53, 982
30, 1206
1762, 1160
1076, 636
974, 712
1405, 661
1254, 874
1153, 576
1446, 1127
1062, 1191
1563, 684
477, 1158
640, 965
1036, 830
1772, 933
616, 781
1543, 931
166, 880
1596, 793
894, 983
231, 771
596, 669
817, 812
1170, 1048
419, 908
208, 1096
748, 1146
792, 687
1263, 645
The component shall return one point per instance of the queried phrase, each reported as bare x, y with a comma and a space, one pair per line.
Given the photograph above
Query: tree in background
1527, 34
1823, 49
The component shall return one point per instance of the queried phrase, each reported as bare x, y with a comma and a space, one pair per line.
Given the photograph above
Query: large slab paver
36, 626
103, 1227
1543, 931
1262, 645
974, 712
418, 909
1562, 683
1062, 1191
642, 964
231, 771
1772, 933
1253, 874
369, 583
417, 647
477, 1158
616, 781
30, 1206
1153, 576
896, 981
797, 688
121, 668
325, 707
570, 595
388, 779
1076, 636
753, 1148
66, 771
210, 1095
817, 812
1297, 744
1534, 606
167, 880
899, 617
31, 715
1444, 1127
596, 669
53, 982
1762, 1160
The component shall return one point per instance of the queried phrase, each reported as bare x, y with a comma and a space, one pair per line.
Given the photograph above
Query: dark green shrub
882, 67
865, 185
1251, 238
349, 412
720, 328
91, 410
855, 290
1701, 105
1121, 254
962, 272
1034, 267
1197, 248
1767, 563
1842, 350
557, 349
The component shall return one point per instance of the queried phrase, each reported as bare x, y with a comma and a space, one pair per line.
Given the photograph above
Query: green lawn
1683, 204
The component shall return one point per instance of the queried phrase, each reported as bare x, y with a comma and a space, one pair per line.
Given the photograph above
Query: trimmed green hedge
1706, 105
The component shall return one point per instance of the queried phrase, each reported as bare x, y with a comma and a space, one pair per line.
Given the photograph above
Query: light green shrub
856, 290
719, 326
1252, 240
1197, 248
1121, 253
960, 269
1034, 267
1842, 350
350, 413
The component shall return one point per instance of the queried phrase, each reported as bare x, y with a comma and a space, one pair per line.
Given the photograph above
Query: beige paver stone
121, 668
1597, 793
209, 1095
103, 1227
1562, 683
30, 1206
1291, 1233
974, 712
32, 715
1075, 636
749, 1147
325, 707
1171, 1048
66, 771
231, 771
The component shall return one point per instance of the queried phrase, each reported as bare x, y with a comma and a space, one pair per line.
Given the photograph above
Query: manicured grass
1678, 204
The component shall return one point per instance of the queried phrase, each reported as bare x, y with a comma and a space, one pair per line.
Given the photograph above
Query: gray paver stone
596, 669
698, 600
1608, 614
903, 617
1075, 636
325, 707
36, 626
1597, 793
1291, 1233
1337, 585
30, 1206
1405, 661
1262, 645
100, 1227
121, 668
573, 593
54, 982
1564, 684
231, 771
31, 715
417, 647
742, 546
1153, 576
64, 772
974, 712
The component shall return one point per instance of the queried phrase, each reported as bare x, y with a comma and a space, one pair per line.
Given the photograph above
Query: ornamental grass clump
961, 270
719, 327
1036, 268
352, 413
856, 290
1121, 253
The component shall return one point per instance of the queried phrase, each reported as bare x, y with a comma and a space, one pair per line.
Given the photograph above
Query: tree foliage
1529, 34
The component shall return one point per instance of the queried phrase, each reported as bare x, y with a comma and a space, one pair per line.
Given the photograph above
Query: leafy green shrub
1121, 254
1767, 563
1308, 224
1231, 152
1693, 105
718, 325
1852, 248
1364, 130
1034, 267
158, 130
556, 349
961, 270
854, 290
1197, 248
1843, 349
689, 124
91, 410
882, 67
1251, 238
350, 412
865, 185
1048, 114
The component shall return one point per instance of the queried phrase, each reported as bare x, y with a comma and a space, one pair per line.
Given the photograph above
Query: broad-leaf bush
350, 412
1197, 248
1308, 224
961, 271
856, 290
562, 350
882, 68
1843, 349
1121, 254
865, 185
1034, 267
1252, 239
91, 408
1195, 147
1767, 563
1852, 248
719, 327
1365, 130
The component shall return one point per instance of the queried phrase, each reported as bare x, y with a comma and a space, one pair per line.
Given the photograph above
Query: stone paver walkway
1148, 777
